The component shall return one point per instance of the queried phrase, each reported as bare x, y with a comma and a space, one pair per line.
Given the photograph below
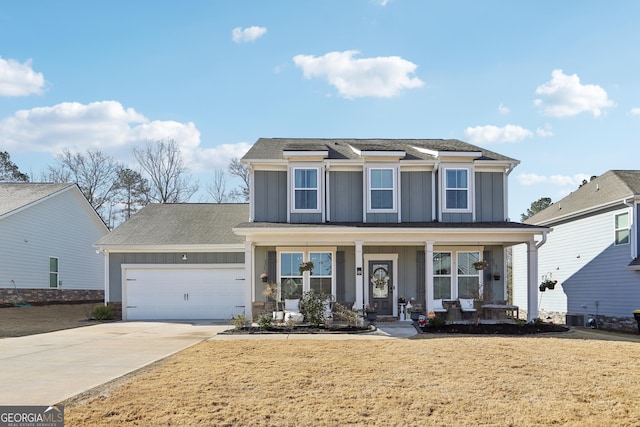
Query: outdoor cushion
438, 306
466, 304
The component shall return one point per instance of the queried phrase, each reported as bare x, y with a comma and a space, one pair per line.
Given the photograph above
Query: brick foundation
10, 297
259, 308
117, 309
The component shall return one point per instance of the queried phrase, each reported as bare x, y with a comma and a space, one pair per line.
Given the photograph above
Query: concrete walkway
46, 369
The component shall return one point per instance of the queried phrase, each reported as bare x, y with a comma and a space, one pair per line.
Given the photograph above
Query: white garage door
183, 292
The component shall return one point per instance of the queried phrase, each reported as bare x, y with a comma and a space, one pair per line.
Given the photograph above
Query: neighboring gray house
592, 252
177, 261
46, 236
380, 219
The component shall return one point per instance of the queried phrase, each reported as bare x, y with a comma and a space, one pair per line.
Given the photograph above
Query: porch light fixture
184, 257
359, 271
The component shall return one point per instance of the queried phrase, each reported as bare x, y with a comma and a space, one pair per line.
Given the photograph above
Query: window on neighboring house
468, 276
442, 275
320, 278
305, 189
456, 188
53, 272
381, 189
622, 228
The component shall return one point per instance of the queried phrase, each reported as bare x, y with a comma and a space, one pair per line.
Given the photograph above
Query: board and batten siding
589, 267
489, 189
63, 226
345, 196
270, 196
174, 258
417, 196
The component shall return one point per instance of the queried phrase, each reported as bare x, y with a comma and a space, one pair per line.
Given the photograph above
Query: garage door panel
175, 293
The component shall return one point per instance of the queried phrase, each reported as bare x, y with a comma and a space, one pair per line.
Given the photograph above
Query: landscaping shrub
103, 312
240, 321
265, 322
345, 314
312, 305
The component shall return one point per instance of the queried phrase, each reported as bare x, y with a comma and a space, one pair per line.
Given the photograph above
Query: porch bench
493, 309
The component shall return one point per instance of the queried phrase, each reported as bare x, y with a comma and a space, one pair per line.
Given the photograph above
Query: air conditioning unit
574, 319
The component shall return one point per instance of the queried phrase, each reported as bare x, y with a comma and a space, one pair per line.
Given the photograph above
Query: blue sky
554, 84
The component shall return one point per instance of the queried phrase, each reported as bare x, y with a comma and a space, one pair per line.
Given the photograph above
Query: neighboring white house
592, 252
46, 236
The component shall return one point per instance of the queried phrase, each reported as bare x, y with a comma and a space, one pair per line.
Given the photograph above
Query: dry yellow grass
449, 381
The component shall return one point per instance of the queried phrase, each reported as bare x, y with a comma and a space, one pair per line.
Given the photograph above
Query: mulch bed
494, 329
301, 329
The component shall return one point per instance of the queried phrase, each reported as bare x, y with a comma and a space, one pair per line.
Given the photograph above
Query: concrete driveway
46, 369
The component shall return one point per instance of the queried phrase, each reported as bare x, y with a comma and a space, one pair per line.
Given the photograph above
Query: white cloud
250, 34
635, 112
503, 110
381, 77
544, 132
110, 128
18, 79
557, 180
492, 134
565, 96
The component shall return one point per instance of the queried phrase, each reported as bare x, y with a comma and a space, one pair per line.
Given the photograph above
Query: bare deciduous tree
95, 173
217, 189
237, 169
169, 178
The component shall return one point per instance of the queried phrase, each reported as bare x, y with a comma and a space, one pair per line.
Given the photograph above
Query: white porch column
428, 274
248, 278
359, 278
532, 280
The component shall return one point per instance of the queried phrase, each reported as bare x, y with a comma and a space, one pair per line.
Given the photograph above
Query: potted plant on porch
371, 313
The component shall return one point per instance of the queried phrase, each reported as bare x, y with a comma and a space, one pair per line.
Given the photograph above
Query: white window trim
615, 230
395, 189
470, 188
56, 272
454, 271
306, 277
319, 188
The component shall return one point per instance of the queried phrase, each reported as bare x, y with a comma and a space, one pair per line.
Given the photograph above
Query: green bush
240, 321
436, 322
265, 322
102, 312
312, 305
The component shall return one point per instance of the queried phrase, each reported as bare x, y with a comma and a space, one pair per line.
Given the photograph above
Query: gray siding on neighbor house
117, 259
416, 199
489, 187
345, 196
270, 196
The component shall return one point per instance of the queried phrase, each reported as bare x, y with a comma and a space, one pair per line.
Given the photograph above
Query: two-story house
377, 220
592, 253
380, 219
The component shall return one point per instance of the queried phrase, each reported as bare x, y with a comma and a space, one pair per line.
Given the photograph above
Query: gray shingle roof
180, 224
608, 188
342, 148
15, 195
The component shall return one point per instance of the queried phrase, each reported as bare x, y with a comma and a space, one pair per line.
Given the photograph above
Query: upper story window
457, 194
306, 189
622, 228
382, 189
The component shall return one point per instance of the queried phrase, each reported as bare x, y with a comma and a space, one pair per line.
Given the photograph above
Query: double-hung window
456, 189
468, 276
622, 228
382, 189
442, 275
456, 277
295, 280
306, 189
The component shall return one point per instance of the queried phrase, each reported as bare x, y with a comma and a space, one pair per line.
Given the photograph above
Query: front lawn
567, 379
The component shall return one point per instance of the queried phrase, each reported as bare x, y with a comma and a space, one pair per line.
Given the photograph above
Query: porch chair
292, 311
438, 306
467, 305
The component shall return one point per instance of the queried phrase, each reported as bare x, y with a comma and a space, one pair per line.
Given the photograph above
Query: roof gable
18, 195
608, 189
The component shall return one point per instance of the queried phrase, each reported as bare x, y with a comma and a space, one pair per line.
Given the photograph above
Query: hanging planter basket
542, 288
480, 265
